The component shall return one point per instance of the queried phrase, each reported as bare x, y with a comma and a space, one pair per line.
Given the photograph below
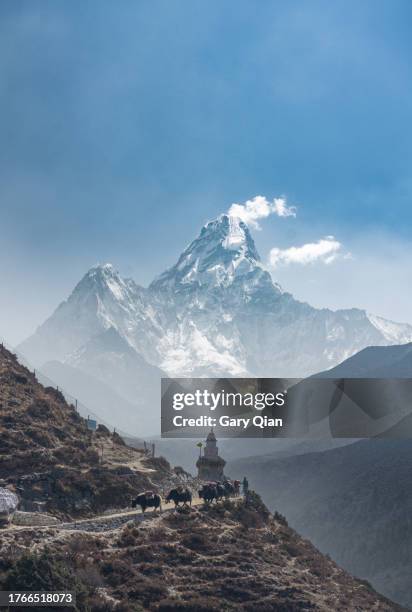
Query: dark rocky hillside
354, 503
50, 458
234, 556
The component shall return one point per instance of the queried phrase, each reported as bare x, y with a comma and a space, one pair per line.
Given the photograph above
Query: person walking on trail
245, 485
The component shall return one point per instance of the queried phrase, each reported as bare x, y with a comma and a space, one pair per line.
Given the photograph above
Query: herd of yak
210, 491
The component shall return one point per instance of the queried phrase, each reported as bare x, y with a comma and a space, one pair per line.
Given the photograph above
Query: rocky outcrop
34, 519
8, 504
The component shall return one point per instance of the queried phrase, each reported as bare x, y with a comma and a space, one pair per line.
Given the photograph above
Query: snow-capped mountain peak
223, 252
217, 311
232, 234
102, 278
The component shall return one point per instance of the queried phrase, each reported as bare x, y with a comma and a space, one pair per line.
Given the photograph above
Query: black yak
229, 488
209, 492
178, 495
148, 500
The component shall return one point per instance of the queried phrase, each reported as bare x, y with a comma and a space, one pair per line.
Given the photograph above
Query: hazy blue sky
124, 126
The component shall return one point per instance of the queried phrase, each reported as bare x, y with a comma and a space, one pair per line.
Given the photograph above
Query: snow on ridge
106, 268
236, 235
189, 350
395, 333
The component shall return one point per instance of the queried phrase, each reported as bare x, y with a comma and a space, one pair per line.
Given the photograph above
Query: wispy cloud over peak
260, 207
325, 250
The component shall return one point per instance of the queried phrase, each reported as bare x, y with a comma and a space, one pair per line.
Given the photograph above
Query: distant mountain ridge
216, 312
375, 362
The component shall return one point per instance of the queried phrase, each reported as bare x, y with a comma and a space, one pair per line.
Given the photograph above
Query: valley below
353, 502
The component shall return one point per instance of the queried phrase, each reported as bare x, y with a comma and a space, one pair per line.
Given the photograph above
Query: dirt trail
115, 454
107, 522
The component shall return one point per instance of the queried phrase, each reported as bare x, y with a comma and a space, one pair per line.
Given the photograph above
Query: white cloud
325, 250
282, 209
260, 207
380, 259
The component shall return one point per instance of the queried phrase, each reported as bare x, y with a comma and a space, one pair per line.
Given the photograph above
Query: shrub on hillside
42, 572
251, 512
40, 409
40, 436
197, 604
280, 519
196, 541
159, 463
128, 536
